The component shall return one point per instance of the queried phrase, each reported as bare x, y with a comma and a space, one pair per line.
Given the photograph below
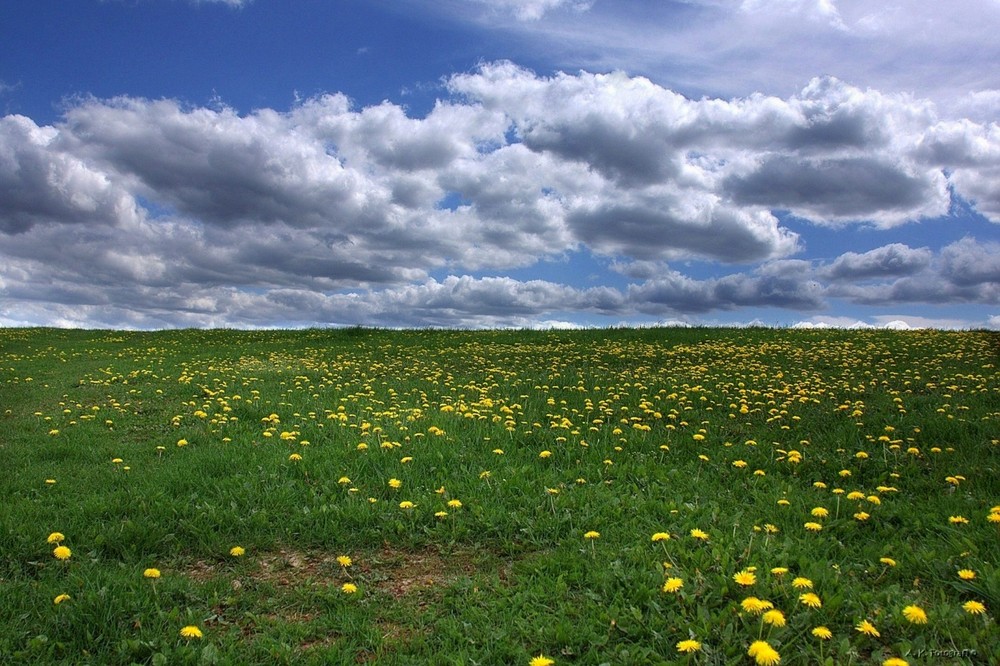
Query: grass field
652, 496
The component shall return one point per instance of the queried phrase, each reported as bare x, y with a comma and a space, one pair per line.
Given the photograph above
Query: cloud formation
152, 212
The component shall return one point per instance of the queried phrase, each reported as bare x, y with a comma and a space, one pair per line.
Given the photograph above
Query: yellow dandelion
349, 588
56, 537
974, 607
801, 583
895, 661
191, 631
764, 654
745, 578
237, 551
783, 502
61, 598
958, 520
455, 504
820, 512
688, 646
774, 617
406, 505
888, 561
915, 614
62, 553
151, 573
544, 454
967, 574
541, 660
755, 605
698, 534
813, 527
660, 536
395, 484
672, 585
867, 628
592, 535
779, 571
862, 516
810, 599
295, 457
822, 633
344, 561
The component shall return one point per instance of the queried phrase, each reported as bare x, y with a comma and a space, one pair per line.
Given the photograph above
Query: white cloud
532, 10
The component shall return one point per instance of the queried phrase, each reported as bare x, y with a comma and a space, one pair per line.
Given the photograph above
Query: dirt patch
399, 573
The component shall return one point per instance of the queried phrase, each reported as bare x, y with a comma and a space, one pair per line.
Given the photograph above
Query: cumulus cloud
327, 212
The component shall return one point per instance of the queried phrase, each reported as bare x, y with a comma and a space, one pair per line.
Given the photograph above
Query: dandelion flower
349, 588
811, 600
344, 480
440, 514
672, 585
822, 633
151, 573
915, 614
867, 628
862, 516
56, 537
698, 534
61, 598
779, 571
974, 607
541, 660
958, 520
813, 527
660, 536
966, 574
888, 561
191, 631
895, 661
544, 454
783, 502
344, 561
295, 457
237, 551
592, 535
688, 646
745, 578
820, 512
455, 504
395, 483
802, 583
755, 605
62, 553
406, 505
764, 654
184, 442
774, 617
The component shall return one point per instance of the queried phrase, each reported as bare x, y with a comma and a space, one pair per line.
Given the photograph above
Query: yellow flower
813, 527
774, 617
61, 598
672, 585
344, 561
440, 514
541, 660
237, 551
688, 646
783, 502
344, 480
62, 553
151, 573
811, 600
745, 578
544, 454
958, 520
822, 633
592, 535
349, 588
660, 536
184, 442
764, 654
455, 504
820, 512
867, 628
895, 661
295, 457
974, 607
802, 583
779, 571
915, 614
406, 504
862, 516
56, 537
191, 631
698, 534
755, 605
888, 561
966, 574
395, 483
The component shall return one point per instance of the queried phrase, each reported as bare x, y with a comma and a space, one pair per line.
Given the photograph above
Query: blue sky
480, 163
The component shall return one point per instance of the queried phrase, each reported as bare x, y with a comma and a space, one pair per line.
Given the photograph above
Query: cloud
533, 10
160, 211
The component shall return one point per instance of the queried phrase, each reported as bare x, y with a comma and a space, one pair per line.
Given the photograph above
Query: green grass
646, 431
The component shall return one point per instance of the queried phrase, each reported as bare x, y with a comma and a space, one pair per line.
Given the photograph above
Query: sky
499, 163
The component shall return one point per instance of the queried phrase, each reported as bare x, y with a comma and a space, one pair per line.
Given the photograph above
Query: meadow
622, 496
